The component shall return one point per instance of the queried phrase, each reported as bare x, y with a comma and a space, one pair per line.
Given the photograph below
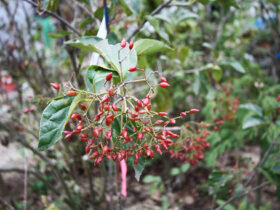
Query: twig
25, 183
156, 11
56, 16
241, 195
263, 160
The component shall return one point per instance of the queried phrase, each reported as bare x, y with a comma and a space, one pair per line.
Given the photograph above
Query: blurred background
225, 62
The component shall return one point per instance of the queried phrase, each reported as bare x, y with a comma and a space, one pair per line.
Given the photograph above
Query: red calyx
109, 77
55, 85
115, 108
95, 132
131, 45
162, 113
163, 79
72, 93
183, 114
140, 136
111, 92
131, 69
164, 84
192, 111
123, 43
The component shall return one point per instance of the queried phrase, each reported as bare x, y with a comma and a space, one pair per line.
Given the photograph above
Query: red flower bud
164, 84
55, 86
72, 93
109, 77
131, 45
132, 69
123, 43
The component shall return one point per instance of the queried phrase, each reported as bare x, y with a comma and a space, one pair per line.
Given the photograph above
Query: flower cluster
125, 126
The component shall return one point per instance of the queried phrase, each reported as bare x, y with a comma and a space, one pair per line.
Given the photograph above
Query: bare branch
62, 20
262, 160
156, 11
241, 195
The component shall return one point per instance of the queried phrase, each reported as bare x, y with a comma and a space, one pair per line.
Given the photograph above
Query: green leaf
253, 107
227, 207
139, 168
196, 84
217, 73
252, 121
185, 167
59, 34
52, 5
150, 46
234, 64
85, 43
155, 23
109, 52
175, 171
183, 53
128, 10
187, 15
96, 75
54, 118
150, 179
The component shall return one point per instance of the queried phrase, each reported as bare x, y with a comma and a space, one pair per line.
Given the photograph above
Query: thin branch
62, 20
156, 11
241, 195
265, 156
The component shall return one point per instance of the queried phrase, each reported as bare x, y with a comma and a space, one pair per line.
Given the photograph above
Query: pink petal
123, 171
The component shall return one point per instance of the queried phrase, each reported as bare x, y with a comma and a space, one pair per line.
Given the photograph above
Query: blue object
106, 14
278, 55
259, 23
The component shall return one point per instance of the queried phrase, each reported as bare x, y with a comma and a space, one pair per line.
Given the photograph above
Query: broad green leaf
128, 10
155, 23
85, 43
252, 121
150, 46
111, 53
54, 118
217, 73
96, 75
234, 64
139, 168
253, 107
183, 53
187, 15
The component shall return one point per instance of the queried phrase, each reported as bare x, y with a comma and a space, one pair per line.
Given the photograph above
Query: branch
241, 195
263, 160
156, 11
62, 20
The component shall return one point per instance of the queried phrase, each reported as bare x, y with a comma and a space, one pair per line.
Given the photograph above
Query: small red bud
123, 43
109, 77
111, 92
131, 45
55, 86
72, 93
162, 113
163, 79
164, 84
192, 111
131, 69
